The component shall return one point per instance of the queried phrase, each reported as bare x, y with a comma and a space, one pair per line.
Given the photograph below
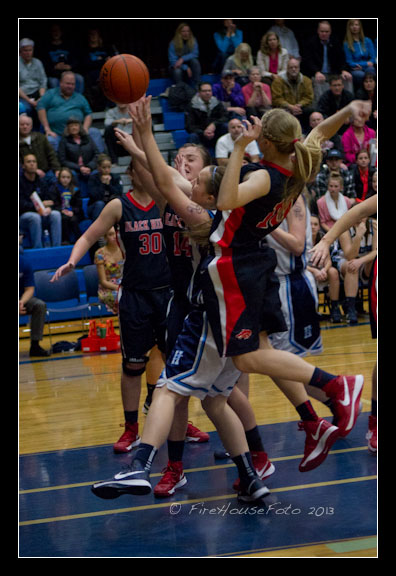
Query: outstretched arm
330, 126
110, 215
320, 252
191, 212
231, 193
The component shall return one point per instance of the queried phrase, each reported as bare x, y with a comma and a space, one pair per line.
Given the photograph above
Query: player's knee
134, 368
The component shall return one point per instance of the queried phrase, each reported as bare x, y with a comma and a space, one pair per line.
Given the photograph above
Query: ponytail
284, 131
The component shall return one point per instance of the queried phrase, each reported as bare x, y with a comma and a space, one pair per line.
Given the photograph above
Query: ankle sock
245, 466
253, 439
175, 450
306, 411
320, 378
150, 390
146, 453
131, 417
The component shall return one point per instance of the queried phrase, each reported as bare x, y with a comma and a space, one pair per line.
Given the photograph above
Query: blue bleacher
158, 85
51, 259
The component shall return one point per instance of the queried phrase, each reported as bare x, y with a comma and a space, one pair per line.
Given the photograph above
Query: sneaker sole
112, 490
260, 493
127, 448
320, 453
262, 474
181, 483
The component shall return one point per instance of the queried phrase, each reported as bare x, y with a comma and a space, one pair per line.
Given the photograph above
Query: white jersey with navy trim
298, 296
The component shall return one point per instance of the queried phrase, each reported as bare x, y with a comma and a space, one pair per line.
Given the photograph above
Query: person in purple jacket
230, 94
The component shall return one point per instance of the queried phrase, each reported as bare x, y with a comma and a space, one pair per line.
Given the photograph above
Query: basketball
124, 78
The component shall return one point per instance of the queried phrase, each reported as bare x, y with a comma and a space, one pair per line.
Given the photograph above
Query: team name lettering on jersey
276, 216
139, 225
173, 220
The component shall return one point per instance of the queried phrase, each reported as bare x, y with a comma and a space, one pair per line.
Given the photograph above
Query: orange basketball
124, 78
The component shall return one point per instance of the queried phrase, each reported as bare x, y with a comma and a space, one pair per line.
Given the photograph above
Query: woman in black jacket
78, 152
66, 199
102, 187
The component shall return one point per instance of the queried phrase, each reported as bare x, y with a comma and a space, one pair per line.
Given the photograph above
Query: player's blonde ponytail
284, 131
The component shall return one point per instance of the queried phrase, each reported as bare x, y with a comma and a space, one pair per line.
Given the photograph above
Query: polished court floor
69, 416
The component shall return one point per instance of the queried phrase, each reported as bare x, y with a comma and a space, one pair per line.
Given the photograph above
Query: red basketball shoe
262, 465
128, 440
371, 435
321, 435
172, 479
345, 391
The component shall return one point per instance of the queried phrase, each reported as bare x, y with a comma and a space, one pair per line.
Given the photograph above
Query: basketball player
236, 330
143, 295
319, 256
183, 257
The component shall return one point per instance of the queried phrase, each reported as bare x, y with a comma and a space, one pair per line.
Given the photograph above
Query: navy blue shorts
241, 295
142, 318
194, 367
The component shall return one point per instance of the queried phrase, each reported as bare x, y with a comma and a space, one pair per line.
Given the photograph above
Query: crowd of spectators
59, 91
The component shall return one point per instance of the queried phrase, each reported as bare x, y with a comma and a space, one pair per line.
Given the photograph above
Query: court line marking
186, 471
191, 501
350, 544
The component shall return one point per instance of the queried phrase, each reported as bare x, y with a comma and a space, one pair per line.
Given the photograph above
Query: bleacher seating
170, 135
51, 259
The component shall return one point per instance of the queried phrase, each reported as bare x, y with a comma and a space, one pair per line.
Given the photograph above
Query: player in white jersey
298, 293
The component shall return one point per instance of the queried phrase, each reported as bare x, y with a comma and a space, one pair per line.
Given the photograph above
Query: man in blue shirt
59, 104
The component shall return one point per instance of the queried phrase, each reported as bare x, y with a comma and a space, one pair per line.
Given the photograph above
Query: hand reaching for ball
140, 113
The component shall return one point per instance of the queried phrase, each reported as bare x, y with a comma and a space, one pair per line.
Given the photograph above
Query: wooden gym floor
69, 417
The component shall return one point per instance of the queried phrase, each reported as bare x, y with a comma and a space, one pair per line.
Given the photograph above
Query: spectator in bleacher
362, 174
116, 117
368, 91
93, 55
183, 56
333, 204
58, 55
272, 58
78, 152
230, 94
287, 38
293, 91
32, 78
360, 54
67, 200
335, 98
109, 263
328, 275
225, 144
36, 143
357, 137
103, 186
359, 247
58, 104
334, 162
31, 221
34, 307
323, 56
226, 40
257, 94
334, 142
240, 63
206, 118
